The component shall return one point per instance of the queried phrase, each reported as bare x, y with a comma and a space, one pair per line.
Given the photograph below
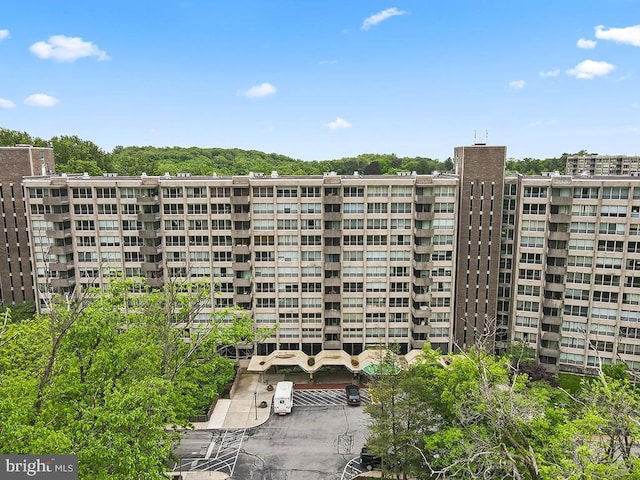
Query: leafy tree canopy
75, 155
105, 372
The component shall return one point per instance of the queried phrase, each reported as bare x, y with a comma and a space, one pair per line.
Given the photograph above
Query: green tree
108, 370
74, 155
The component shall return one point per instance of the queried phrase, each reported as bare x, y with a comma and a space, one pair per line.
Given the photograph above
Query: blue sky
327, 79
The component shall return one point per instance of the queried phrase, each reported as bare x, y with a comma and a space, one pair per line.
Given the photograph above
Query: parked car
368, 460
353, 394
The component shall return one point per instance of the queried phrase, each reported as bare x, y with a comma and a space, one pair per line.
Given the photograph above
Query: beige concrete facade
345, 264
341, 263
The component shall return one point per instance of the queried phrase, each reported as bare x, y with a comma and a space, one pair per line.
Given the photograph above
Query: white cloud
550, 73
589, 69
517, 84
67, 49
262, 90
381, 17
629, 35
4, 34
41, 100
4, 103
586, 44
338, 124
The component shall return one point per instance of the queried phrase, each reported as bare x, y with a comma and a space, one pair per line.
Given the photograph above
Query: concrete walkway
243, 409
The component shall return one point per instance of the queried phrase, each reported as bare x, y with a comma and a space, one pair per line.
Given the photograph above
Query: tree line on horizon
76, 155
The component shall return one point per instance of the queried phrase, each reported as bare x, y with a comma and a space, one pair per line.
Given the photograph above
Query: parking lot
314, 442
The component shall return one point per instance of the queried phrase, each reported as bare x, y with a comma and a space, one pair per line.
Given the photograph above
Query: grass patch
570, 382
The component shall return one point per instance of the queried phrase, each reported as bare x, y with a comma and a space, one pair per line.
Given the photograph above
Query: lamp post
255, 403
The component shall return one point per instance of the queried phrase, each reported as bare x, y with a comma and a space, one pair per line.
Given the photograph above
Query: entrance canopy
367, 361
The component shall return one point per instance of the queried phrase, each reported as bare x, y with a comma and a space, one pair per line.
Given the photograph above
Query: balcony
550, 352
420, 327
332, 329
149, 200
240, 200
242, 282
63, 282
61, 249
559, 236
423, 232
425, 199
424, 216
422, 249
555, 270
146, 250
57, 217
555, 252
60, 233
333, 233
418, 344
333, 281
242, 298
155, 282
332, 313
551, 303
151, 266
332, 297
332, 249
60, 267
333, 216
559, 218
332, 345
242, 233
421, 297
421, 265
332, 199
561, 200
332, 266
241, 266
240, 217
150, 233
421, 312
149, 217
241, 250
552, 320
551, 336
54, 201
422, 281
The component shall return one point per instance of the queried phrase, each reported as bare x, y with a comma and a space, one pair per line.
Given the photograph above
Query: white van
283, 398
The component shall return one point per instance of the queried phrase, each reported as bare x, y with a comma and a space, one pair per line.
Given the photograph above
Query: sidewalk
243, 409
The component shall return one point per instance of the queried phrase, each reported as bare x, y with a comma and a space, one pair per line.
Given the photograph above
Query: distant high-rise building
16, 284
594, 164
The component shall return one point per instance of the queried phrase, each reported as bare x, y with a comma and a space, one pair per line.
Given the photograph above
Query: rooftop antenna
481, 140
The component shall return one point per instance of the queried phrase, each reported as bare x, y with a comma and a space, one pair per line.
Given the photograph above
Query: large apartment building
593, 164
15, 264
351, 262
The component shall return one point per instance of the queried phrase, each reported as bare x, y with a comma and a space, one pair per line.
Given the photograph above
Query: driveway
311, 443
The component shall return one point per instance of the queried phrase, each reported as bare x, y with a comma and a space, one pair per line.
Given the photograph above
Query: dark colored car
368, 460
353, 394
